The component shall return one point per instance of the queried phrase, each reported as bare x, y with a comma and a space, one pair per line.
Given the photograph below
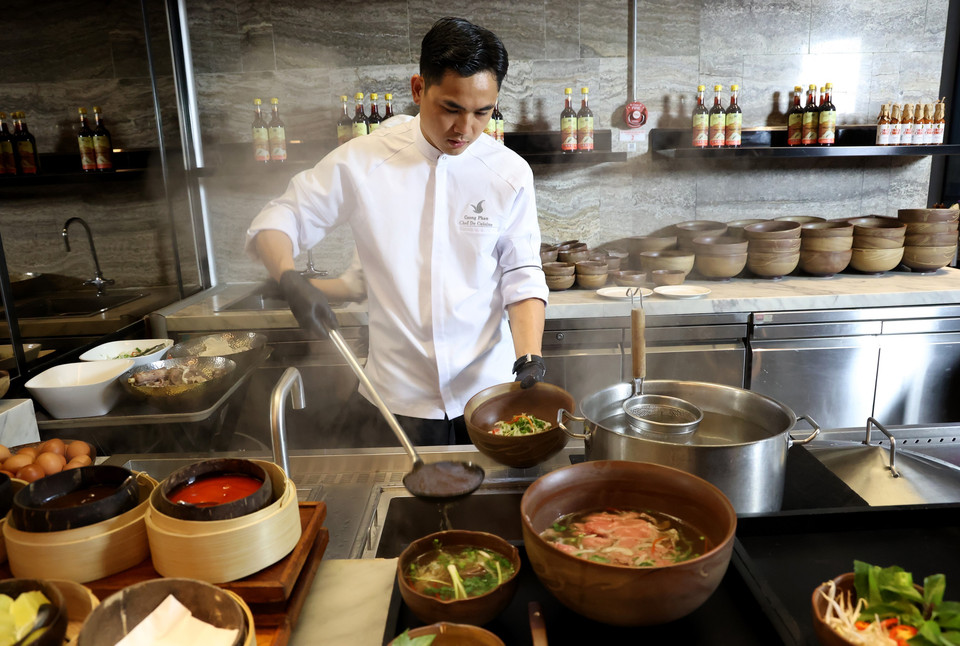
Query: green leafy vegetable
404, 639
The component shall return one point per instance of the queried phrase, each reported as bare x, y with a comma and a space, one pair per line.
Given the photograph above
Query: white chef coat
446, 243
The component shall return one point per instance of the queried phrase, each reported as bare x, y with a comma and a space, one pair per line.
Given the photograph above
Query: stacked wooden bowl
825, 247
638, 244
930, 241
720, 257
773, 248
559, 275
591, 274
668, 259
687, 231
877, 244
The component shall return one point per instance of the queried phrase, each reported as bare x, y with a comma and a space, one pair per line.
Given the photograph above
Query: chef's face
454, 111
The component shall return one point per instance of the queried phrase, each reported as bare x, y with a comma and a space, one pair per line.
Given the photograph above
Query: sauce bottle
701, 121
102, 142
491, 127
261, 140
388, 108
568, 124
277, 134
88, 162
8, 163
498, 119
883, 126
795, 119
811, 118
906, 133
827, 134
374, 121
360, 122
733, 125
584, 123
26, 146
939, 121
344, 123
896, 125
918, 124
718, 120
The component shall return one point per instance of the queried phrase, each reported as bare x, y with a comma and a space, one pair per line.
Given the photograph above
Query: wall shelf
64, 168
852, 141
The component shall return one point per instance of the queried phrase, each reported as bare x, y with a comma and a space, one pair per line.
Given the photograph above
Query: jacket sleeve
522, 275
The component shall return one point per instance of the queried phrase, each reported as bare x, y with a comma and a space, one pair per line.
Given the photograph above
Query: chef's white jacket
446, 243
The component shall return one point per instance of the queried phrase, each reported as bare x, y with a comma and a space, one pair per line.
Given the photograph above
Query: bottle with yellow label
584, 123
360, 122
568, 123
26, 146
827, 121
795, 119
88, 161
261, 140
718, 120
733, 120
277, 134
498, 119
701, 121
344, 123
811, 118
102, 142
8, 164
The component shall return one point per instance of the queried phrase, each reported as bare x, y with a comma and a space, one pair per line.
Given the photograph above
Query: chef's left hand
530, 369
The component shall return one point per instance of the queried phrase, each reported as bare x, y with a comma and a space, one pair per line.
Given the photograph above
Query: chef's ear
417, 87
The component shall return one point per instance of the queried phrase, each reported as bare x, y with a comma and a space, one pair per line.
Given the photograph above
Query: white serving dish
109, 351
84, 389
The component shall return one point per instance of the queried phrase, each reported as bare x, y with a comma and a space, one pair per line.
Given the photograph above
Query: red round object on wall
636, 114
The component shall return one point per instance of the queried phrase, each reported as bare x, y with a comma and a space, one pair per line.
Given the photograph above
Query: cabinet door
831, 379
583, 362
716, 363
918, 379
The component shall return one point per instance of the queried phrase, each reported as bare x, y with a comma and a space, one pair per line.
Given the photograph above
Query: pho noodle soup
625, 537
458, 571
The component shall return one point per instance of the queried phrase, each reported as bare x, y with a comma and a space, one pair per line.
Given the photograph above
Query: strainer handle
638, 342
570, 416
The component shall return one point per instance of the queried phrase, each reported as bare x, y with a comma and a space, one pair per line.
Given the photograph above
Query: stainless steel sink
72, 304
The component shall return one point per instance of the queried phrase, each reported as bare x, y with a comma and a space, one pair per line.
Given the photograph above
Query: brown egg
79, 461
29, 450
16, 462
50, 462
30, 473
55, 445
4, 453
75, 448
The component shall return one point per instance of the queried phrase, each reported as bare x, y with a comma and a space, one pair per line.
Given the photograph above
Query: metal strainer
653, 413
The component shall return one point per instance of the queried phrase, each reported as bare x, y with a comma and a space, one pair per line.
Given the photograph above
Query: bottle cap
82, 110
734, 87
829, 86
374, 96
701, 88
388, 96
358, 96
797, 88
584, 90
274, 101
96, 108
257, 102
813, 86
3, 115
717, 88
568, 90
343, 97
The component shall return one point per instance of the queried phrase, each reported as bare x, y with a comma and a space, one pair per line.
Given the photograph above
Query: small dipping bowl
667, 276
55, 625
217, 489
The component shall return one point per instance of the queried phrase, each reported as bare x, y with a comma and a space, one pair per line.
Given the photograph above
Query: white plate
621, 292
682, 291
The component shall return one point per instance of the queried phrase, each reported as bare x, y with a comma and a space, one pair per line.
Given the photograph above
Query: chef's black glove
530, 369
308, 304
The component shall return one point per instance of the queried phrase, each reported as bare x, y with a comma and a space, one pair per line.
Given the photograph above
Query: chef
445, 224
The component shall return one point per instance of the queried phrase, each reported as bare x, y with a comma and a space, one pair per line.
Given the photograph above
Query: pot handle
570, 416
816, 431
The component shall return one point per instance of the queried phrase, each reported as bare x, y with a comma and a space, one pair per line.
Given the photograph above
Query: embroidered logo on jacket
474, 220
478, 207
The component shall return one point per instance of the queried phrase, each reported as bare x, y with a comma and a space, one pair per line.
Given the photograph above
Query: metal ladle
442, 481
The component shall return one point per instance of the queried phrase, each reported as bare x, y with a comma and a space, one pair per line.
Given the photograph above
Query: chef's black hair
460, 46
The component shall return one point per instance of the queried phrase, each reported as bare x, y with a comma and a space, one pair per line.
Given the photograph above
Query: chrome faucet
98, 280
290, 383
311, 271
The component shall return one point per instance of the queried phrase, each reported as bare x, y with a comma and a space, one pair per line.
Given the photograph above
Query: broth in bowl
458, 571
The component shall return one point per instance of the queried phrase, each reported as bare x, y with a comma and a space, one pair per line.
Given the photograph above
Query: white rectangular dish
85, 389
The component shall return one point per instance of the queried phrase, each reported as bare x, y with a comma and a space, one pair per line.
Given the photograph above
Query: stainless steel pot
740, 446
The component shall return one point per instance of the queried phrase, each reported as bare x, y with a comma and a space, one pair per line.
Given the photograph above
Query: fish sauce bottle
344, 123
498, 119
360, 121
585, 123
26, 146
795, 119
939, 121
811, 118
261, 140
373, 122
701, 121
883, 126
277, 133
906, 134
718, 120
827, 125
388, 107
88, 161
8, 163
102, 142
733, 118
896, 125
568, 123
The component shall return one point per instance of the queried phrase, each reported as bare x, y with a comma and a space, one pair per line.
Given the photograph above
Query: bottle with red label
8, 163
906, 134
811, 118
896, 125
733, 120
261, 140
88, 161
701, 121
795, 119
26, 146
718, 120
568, 123
585, 123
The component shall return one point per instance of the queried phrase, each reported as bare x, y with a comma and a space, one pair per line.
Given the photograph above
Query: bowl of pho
516, 426
458, 576
627, 543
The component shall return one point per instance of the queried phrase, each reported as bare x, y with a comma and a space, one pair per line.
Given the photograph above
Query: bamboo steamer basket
218, 551
251, 639
80, 602
84, 553
17, 486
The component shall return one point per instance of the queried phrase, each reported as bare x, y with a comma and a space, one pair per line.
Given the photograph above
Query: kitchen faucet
98, 280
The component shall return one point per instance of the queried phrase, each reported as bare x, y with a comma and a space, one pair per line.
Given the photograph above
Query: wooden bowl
592, 281
557, 283
630, 278
772, 264
931, 227
669, 259
687, 231
826, 230
875, 261
878, 228
55, 503
476, 610
845, 585
56, 623
773, 244
592, 267
824, 263
772, 229
827, 244
218, 374
928, 258
576, 253
548, 253
930, 239
447, 634
667, 276
876, 242
208, 468
735, 227
619, 595
928, 215
559, 268
119, 613
719, 246
720, 267
502, 402
802, 219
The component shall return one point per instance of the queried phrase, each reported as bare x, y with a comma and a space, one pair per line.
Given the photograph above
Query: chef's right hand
308, 304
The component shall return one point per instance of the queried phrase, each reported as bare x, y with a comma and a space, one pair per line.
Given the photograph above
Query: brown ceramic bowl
772, 264
928, 258
773, 244
928, 215
824, 263
502, 402
619, 595
592, 267
720, 267
876, 242
931, 227
447, 634
878, 228
577, 253
802, 219
687, 231
772, 229
548, 253
930, 240
826, 230
472, 610
630, 278
566, 244
719, 246
827, 244
667, 276
669, 259
592, 281
735, 227
557, 283
559, 268
875, 261
638, 244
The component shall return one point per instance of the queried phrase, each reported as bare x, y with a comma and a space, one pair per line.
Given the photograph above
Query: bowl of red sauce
217, 489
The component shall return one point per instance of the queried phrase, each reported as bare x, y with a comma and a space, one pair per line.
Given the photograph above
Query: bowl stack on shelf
825, 247
931, 238
720, 257
687, 231
877, 244
773, 248
638, 244
559, 275
651, 261
735, 227
592, 274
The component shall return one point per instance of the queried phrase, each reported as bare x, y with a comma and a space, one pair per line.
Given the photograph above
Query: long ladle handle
637, 343
351, 360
